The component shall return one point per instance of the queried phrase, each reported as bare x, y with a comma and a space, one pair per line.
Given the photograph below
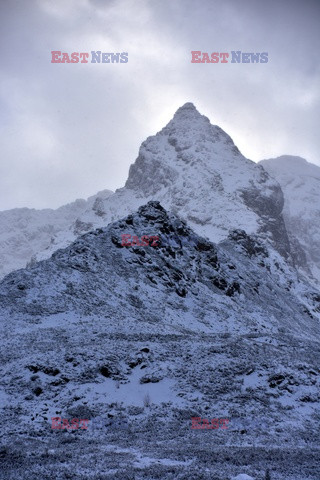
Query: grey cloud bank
71, 130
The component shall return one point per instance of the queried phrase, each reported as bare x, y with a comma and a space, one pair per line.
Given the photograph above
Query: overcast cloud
70, 130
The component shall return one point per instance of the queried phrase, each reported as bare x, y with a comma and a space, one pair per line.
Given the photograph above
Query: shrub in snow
147, 400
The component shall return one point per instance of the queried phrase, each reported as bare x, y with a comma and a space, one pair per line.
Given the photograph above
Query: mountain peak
189, 145
188, 126
187, 106
188, 113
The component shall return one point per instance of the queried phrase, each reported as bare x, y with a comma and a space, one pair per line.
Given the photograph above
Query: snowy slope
27, 234
154, 336
192, 167
300, 183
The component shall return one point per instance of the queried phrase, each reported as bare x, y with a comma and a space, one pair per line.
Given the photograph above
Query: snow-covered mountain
192, 167
300, 183
28, 234
156, 335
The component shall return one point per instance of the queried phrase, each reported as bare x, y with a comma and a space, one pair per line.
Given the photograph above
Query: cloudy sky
70, 130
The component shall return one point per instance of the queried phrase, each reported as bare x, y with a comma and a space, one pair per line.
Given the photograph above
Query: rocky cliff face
300, 182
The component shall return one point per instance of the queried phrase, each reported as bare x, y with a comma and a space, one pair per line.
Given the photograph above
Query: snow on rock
300, 183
